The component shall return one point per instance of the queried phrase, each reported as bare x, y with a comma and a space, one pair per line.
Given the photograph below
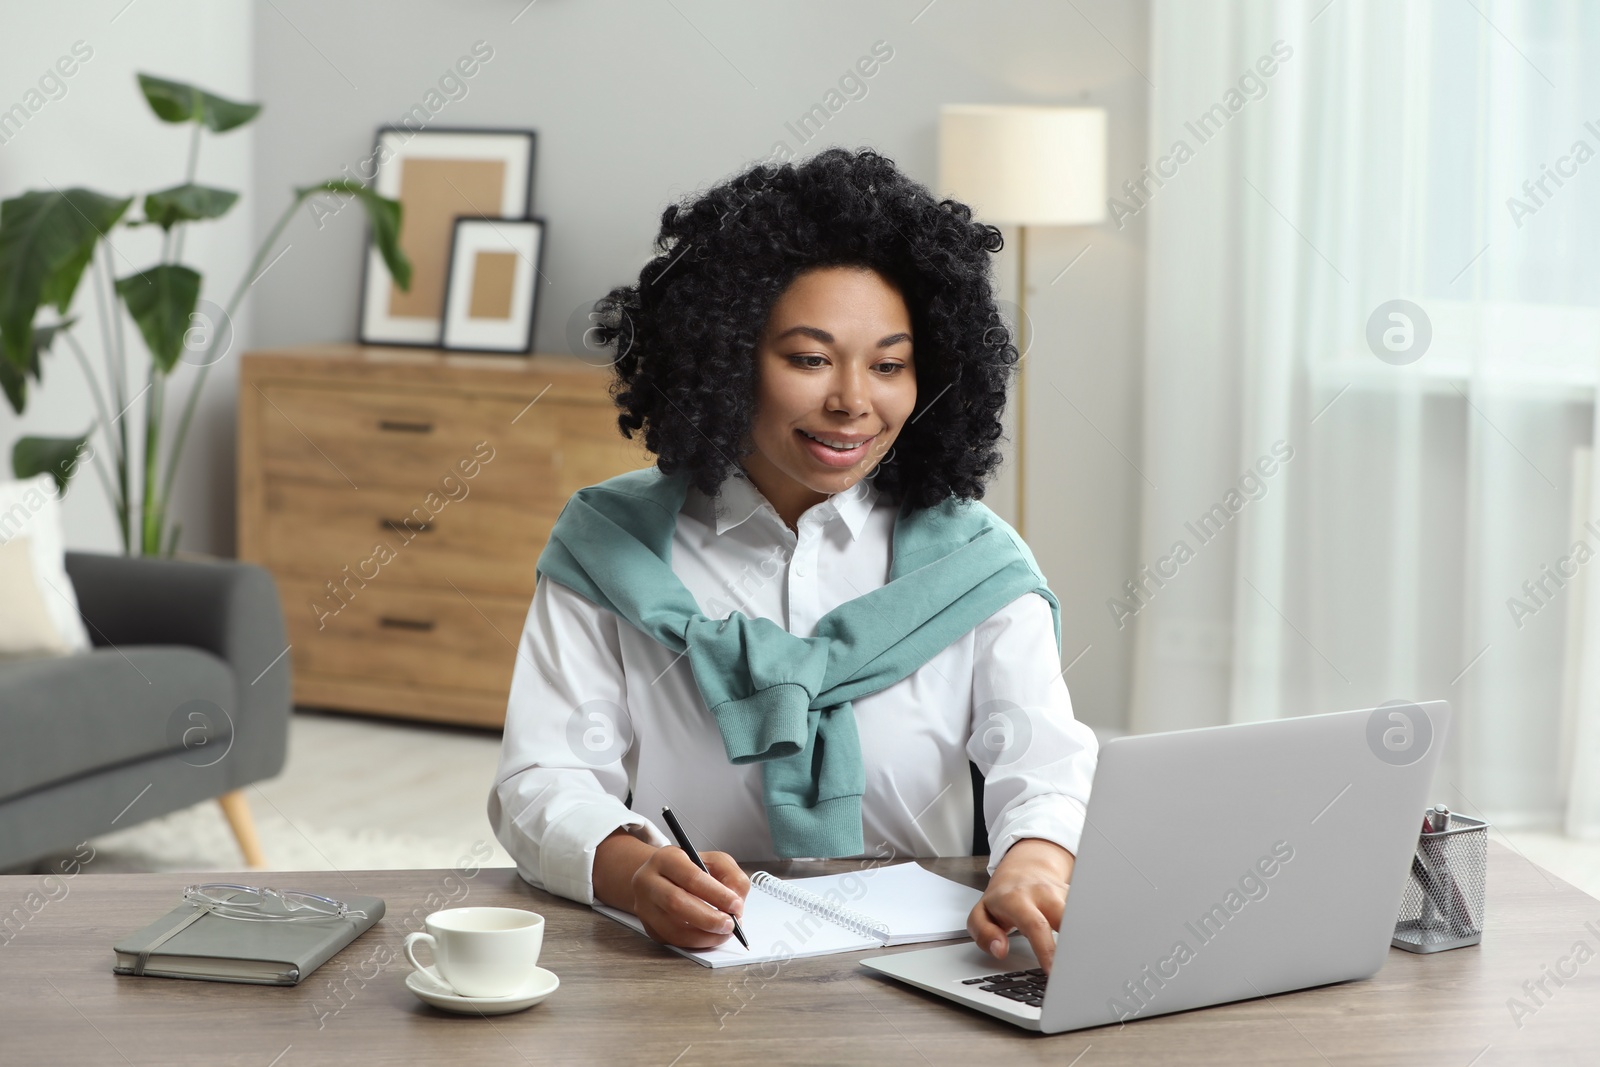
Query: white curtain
1341, 156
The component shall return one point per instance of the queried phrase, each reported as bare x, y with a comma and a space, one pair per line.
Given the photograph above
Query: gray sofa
185, 697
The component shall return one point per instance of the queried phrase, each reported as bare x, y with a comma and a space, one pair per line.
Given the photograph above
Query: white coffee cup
481, 952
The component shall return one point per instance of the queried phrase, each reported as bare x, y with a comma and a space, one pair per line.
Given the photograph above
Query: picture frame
491, 298
437, 175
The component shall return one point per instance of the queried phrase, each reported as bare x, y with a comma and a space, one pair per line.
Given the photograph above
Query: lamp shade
1023, 164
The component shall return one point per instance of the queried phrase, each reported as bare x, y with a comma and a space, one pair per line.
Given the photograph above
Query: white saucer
432, 990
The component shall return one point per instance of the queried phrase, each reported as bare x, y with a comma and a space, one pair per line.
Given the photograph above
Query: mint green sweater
778, 699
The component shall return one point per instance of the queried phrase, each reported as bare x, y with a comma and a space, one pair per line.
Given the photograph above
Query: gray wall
637, 104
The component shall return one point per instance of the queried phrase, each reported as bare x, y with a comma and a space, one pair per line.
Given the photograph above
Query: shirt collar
738, 498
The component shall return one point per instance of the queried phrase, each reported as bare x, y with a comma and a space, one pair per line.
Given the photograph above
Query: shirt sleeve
563, 774
1037, 760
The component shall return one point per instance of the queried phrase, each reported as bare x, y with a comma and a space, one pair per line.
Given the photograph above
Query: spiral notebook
794, 918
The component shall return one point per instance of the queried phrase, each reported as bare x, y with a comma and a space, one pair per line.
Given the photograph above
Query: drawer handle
398, 525
420, 625
401, 426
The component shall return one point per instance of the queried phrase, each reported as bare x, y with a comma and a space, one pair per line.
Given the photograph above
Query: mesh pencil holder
1446, 889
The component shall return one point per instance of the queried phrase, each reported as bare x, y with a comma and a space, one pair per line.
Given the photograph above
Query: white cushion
25, 625
31, 509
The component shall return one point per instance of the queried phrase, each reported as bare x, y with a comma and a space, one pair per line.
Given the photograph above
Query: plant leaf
161, 300
384, 215
43, 338
56, 456
181, 102
14, 381
15, 386
186, 203
46, 239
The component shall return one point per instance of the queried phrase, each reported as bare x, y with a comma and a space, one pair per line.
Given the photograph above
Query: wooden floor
356, 772
356, 793
360, 793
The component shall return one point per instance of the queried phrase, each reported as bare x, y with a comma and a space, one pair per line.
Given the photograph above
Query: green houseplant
47, 241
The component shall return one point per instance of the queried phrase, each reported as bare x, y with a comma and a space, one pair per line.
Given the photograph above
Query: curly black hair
685, 336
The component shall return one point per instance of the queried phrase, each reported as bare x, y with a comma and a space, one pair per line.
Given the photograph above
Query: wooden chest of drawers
401, 498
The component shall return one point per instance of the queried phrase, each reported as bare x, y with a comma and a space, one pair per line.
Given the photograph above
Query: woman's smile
836, 449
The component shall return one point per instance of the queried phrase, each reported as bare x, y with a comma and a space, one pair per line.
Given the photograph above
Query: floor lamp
1024, 165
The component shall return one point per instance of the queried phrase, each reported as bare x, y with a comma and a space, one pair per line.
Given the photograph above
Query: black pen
683, 843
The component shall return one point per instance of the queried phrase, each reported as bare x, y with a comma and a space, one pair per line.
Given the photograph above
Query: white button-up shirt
599, 710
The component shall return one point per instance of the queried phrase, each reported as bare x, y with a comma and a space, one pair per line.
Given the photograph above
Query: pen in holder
1445, 891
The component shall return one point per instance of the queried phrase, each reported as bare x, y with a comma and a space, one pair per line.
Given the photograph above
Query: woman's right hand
682, 905
678, 903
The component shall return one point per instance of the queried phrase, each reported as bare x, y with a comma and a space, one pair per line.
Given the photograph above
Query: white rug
198, 839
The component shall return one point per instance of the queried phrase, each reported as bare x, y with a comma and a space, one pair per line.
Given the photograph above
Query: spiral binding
858, 923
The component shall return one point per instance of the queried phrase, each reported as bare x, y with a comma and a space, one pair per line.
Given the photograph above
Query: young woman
800, 625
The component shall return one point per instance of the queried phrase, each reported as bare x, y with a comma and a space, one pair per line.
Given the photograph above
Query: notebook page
916, 904
777, 931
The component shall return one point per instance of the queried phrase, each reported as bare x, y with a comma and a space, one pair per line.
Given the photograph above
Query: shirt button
799, 570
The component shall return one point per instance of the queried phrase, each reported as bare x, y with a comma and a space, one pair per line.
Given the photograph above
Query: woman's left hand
1026, 894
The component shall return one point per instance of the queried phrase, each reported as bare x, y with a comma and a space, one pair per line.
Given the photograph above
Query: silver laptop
1217, 865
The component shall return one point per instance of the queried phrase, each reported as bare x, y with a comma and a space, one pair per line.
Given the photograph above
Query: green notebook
189, 942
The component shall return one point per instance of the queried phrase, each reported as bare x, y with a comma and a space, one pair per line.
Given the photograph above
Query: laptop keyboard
1024, 987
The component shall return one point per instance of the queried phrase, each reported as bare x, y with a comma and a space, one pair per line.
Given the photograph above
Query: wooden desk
624, 1000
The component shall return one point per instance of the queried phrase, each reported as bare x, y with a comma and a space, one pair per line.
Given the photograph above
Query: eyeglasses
266, 904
